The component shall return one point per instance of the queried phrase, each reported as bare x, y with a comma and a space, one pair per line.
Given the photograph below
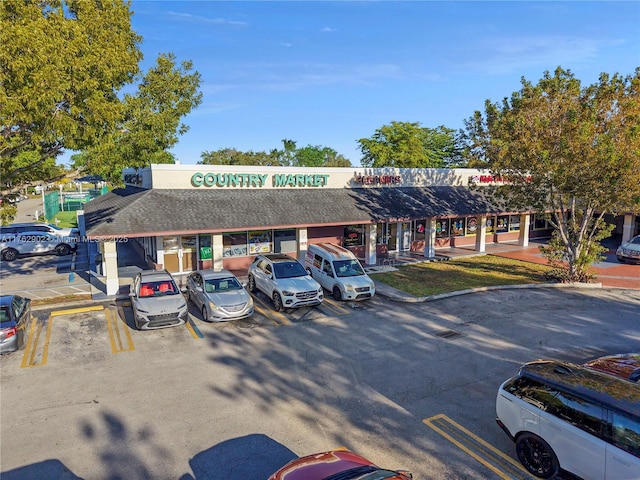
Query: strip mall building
185, 217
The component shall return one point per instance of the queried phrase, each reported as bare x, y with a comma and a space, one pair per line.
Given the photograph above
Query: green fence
71, 201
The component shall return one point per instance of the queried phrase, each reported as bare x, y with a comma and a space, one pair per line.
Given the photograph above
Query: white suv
563, 416
284, 280
32, 243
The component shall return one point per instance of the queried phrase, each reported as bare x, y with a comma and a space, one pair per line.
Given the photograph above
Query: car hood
631, 246
356, 281
159, 305
231, 297
298, 284
320, 465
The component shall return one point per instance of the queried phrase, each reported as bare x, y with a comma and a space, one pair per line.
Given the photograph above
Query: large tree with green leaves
63, 67
568, 150
62, 64
289, 155
409, 145
151, 121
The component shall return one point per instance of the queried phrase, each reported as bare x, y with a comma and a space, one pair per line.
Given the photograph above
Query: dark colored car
624, 365
15, 316
336, 465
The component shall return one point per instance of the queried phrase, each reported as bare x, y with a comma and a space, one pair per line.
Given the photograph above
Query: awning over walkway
135, 212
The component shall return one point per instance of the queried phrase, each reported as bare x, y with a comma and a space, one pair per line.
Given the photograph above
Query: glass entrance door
392, 237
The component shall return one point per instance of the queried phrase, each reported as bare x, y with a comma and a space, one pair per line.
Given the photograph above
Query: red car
625, 366
336, 465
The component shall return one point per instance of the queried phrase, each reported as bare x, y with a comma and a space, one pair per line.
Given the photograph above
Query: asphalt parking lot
407, 385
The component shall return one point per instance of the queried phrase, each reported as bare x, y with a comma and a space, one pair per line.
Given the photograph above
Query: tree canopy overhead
63, 67
569, 150
409, 145
289, 156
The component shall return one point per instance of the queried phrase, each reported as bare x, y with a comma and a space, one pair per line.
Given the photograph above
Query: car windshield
348, 268
635, 240
157, 289
218, 285
365, 472
288, 270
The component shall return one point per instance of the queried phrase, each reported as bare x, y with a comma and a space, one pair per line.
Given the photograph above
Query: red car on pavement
624, 365
336, 465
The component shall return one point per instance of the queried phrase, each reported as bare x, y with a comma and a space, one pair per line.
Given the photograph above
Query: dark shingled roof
134, 212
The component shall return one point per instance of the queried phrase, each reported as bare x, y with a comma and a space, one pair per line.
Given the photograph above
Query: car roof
155, 275
6, 299
598, 387
623, 365
211, 273
279, 257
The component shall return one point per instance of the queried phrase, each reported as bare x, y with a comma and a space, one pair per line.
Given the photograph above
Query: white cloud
201, 19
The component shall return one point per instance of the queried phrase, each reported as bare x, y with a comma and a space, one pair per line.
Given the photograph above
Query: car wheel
204, 314
63, 250
537, 456
337, 294
10, 254
277, 302
252, 284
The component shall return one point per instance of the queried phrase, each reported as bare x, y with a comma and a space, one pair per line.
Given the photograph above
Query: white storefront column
371, 235
430, 238
525, 224
481, 234
110, 266
628, 227
217, 251
302, 242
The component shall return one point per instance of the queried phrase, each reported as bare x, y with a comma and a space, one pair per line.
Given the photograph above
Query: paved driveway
236, 403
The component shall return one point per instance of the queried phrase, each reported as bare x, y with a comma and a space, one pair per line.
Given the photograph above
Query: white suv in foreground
284, 280
563, 416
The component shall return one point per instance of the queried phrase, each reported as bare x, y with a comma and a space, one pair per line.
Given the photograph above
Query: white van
339, 271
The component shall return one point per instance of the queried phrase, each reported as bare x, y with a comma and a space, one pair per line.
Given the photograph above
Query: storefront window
259, 242
472, 225
457, 227
188, 242
442, 228
284, 241
234, 244
381, 234
205, 247
503, 224
514, 223
169, 243
539, 222
491, 221
419, 230
353, 236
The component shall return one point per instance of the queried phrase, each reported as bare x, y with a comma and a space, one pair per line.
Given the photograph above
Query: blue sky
330, 73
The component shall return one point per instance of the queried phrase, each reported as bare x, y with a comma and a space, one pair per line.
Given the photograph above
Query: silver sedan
219, 295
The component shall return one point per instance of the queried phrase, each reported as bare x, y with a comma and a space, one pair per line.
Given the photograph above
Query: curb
400, 296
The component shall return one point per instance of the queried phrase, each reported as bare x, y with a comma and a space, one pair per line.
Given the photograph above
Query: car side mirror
132, 294
405, 473
198, 289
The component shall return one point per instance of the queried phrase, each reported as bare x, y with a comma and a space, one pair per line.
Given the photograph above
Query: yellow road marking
113, 326
191, 330
30, 344
95, 308
441, 423
271, 314
333, 305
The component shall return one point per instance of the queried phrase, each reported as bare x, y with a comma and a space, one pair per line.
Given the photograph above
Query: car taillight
10, 332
